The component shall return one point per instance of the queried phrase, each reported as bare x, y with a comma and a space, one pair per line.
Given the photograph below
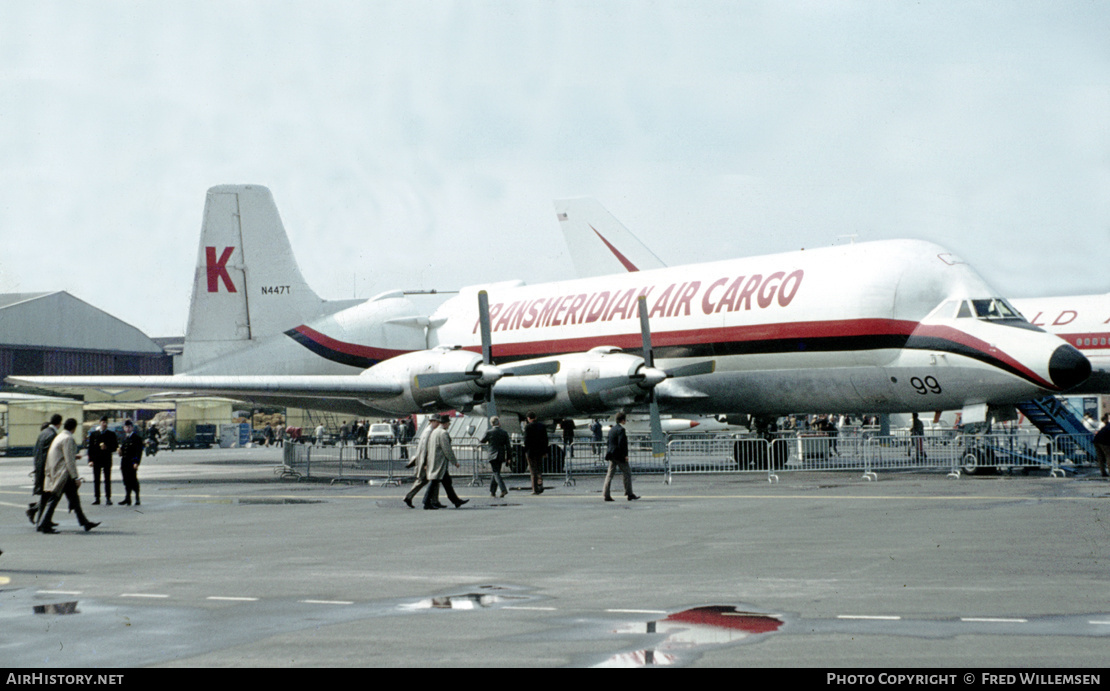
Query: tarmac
225, 564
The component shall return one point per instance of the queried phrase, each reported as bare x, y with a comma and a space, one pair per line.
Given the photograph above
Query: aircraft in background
599, 244
1084, 322
869, 327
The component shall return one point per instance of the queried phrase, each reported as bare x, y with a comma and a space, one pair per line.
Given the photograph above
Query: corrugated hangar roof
59, 320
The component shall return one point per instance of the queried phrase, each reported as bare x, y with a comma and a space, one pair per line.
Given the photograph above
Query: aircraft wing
300, 386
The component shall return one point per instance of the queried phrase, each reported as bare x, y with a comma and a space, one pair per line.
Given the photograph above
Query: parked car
381, 433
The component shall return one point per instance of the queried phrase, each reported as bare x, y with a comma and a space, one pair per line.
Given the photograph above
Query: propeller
648, 377
486, 374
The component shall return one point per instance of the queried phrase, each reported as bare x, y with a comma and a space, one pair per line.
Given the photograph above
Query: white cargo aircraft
889, 326
599, 244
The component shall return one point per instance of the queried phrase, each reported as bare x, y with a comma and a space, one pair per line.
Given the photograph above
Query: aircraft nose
1068, 367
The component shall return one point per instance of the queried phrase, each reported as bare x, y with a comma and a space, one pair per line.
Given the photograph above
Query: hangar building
57, 334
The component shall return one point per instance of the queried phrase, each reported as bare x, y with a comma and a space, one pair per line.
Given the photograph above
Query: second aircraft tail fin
599, 244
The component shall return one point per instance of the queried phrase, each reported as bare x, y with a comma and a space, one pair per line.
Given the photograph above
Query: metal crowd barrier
346, 463
785, 453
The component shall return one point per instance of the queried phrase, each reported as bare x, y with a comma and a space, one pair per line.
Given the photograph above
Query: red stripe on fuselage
947, 333
733, 334
345, 348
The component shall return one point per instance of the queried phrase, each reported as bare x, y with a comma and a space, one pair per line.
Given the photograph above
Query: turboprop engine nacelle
603, 362
403, 371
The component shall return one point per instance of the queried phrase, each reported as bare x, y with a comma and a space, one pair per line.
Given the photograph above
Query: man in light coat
418, 460
439, 455
61, 478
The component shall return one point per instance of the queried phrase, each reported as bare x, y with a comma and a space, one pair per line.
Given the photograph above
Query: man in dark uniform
102, 444
362, 430
408, 431
131, 454
567, 425
535, 448
1102, 444
42, 447
617, 455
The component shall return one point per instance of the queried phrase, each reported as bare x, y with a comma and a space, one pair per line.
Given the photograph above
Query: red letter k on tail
218, 269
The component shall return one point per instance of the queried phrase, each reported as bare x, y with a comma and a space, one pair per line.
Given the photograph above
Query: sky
419, 144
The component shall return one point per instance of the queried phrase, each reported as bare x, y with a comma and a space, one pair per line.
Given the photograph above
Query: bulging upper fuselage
893, 326
870, 327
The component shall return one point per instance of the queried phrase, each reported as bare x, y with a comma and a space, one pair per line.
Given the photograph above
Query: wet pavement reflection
57, 608
493, 596
686, 635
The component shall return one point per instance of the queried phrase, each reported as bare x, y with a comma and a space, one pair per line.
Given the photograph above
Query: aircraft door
873, 386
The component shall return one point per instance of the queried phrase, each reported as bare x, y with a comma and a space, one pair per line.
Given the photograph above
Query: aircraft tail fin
247, 284
599, 244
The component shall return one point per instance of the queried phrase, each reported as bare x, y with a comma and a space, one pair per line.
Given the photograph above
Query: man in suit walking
42, 447
617, 455
535, 449
498, 440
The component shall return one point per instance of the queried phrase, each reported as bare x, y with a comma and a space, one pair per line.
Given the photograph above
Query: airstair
1053, 417
330, 421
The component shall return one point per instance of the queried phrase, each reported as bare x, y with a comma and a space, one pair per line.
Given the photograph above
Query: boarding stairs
317, 417
1053, 417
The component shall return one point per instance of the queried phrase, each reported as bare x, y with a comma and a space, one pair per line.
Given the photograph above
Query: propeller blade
645, 331
491, 406
487, 346
483, 321
658, 441
707, 367
433, 379
534, 368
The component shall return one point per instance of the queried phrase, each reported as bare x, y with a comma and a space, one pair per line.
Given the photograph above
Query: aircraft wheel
971, 464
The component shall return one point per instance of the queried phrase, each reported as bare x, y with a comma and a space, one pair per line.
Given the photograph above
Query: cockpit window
995, 308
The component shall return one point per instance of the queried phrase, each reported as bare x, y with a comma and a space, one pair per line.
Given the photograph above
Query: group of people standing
433, 452
55, 459
273, 435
